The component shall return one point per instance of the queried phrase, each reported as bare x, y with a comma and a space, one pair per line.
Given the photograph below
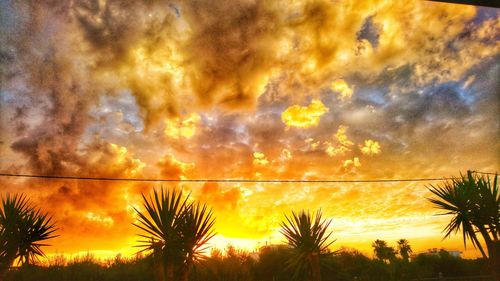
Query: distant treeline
267, 265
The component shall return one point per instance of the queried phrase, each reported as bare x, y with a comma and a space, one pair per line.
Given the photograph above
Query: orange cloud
172, 168
212, 194
304, 116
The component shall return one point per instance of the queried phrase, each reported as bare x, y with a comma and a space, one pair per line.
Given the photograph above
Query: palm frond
173, 228
307, 235
473, 202
197, 230
161, 216
22, 229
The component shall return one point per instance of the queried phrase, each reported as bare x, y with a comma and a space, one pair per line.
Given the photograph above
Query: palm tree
474, 203
404, 249
382, 251
307, 234
176, 232
22, 229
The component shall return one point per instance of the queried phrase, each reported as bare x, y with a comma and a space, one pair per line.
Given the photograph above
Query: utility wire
216, 180
226, 180
484, 173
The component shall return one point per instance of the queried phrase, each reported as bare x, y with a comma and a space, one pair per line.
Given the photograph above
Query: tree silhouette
382, 251
176, 232
308, 236
474, 203
404, 249
22, 229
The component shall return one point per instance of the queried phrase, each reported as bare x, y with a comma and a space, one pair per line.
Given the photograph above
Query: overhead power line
485, 173
486, 3
56, 177
216, 180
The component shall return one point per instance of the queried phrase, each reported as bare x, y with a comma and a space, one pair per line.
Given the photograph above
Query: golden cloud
370, 148
354, 163
260, 159
178, 128
344, 143
111, 159
286, 154
304, 116
341, 87
341, 136
105, 220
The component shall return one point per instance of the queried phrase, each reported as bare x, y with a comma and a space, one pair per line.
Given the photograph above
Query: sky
247, 89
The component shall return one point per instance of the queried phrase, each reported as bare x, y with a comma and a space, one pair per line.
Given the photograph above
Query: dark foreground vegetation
268, 265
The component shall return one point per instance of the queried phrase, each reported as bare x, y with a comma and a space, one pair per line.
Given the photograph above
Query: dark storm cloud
232, 49
65, 102
369, 31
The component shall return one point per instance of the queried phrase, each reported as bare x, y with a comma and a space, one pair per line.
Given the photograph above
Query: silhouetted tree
404, 249
270, 263
22, 228
307, 234
382, 251
176, 232
474, 202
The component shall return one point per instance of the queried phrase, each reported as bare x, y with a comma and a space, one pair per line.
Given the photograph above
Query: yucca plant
176, 232
474, 203
307, 235
197, 230
23, 228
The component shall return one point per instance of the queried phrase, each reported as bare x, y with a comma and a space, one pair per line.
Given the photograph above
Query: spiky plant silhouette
23, 228
176, 232
307, 234
474, 203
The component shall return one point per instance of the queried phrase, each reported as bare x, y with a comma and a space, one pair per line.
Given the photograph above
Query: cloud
370, 148
304, 116
341, 87
354, 163
213, 195
232, 49
343, 143
105, 220
172, 168
260, 159
341, 136
286, 154
178, 128
110, 159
